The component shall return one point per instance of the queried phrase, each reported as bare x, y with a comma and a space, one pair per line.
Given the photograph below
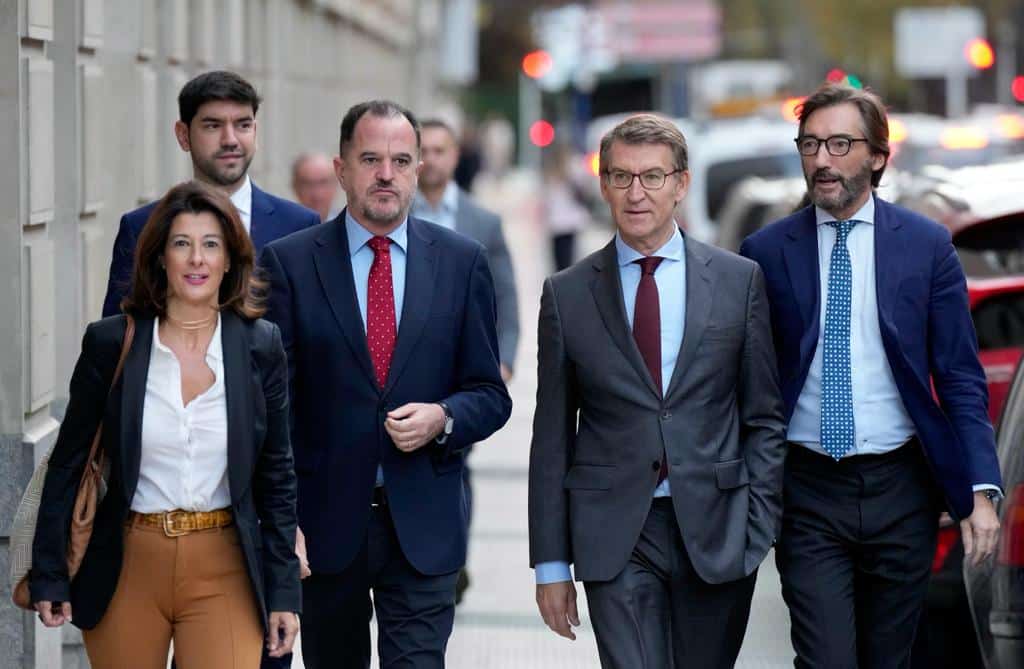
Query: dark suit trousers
659, 614
414, 612
855, 554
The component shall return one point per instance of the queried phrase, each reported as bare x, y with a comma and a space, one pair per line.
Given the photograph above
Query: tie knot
843, 227
649, 264
380, 245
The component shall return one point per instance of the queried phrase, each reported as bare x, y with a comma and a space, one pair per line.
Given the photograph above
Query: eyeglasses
650, 180
836, 145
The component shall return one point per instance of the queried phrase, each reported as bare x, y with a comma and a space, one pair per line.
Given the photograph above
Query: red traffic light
1018, 88
835, 75
536, 64
979, 54
542, 133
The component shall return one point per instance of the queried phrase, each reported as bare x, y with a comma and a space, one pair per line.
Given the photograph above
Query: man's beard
223, 176
850, 188
382, 214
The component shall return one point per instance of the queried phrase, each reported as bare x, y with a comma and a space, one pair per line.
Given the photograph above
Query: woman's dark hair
240, 290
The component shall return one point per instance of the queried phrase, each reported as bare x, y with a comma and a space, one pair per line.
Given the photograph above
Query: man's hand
506, 373
414, 425
54, 616
980, 530
300, 550
284, 626
557, 604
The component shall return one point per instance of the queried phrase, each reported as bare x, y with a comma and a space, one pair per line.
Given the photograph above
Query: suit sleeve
121, 259
274, 487
762, 426
505, 291
87, 400
554, 434
279, 312
481, 403
956, 371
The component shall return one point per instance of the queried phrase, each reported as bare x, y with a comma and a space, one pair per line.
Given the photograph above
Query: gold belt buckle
169, 524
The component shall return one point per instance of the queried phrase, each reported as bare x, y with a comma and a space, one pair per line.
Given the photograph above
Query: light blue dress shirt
670, 278
361, 256
881, 422
444, 213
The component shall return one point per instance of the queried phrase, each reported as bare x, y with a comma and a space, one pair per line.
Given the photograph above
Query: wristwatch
449, 424
993, 494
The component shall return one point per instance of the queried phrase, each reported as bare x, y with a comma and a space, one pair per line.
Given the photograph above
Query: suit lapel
420, 277
261, 221
334, 267
607, 289
133, 395
699, 298
801, 256
890, 249
238, 397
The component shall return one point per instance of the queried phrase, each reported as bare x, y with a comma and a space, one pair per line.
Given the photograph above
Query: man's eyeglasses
650, 180
836, 145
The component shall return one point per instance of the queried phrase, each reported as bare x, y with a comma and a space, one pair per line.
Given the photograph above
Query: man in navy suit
389, 326
217, 128
869, 312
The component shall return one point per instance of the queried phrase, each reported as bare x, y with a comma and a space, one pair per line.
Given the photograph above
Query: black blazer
261, 476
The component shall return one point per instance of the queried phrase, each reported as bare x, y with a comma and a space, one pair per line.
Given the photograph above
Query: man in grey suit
441, 201
658, 439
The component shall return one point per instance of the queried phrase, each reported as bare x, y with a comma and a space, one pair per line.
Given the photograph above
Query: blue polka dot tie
836, 387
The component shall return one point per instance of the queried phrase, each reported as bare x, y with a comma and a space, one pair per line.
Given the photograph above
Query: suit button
666, 415
656, 465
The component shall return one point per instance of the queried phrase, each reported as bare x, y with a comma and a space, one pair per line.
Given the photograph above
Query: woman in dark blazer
194, 540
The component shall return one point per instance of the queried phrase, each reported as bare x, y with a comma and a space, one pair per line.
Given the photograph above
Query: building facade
88, 99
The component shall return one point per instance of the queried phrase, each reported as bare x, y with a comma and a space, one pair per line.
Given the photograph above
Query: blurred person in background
656, 460
563, 206
441, 201
870, 317
389, 325
217, 127
194, 541
315, 185
470, 161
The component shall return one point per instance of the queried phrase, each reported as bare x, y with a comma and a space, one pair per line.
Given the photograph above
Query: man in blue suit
389, 326
217, 128
869, 312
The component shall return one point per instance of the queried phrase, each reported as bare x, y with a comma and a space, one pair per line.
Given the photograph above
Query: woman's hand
54, 616
284, 627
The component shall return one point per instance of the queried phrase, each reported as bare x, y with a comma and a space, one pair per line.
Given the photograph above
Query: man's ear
181, 134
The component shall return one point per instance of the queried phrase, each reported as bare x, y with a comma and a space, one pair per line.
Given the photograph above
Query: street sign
930, 41
660, 31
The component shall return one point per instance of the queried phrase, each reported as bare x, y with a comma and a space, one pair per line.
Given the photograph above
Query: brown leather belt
178, 523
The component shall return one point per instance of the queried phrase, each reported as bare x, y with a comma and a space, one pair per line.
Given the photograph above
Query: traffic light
537, 63
979, 54
839, 76
1018, 88
542, 133
835, 75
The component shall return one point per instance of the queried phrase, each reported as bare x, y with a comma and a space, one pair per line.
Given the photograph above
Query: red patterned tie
647, 329
381, 329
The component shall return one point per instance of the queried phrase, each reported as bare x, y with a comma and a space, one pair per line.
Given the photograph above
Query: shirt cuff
552, 572
981, 487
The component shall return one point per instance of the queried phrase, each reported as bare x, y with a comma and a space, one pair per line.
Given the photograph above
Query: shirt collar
358, 236
242, 198
866, 214
215, 350
670, 250
449, 203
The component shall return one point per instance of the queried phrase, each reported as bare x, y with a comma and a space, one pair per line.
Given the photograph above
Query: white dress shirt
444, 213
184, 463
242, 199
881, 422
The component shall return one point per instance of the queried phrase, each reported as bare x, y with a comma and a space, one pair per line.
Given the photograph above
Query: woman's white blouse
184, 462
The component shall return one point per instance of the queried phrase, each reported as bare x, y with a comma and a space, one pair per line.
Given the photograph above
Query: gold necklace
192, 326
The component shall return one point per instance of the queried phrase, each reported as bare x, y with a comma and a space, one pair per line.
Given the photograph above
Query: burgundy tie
647, 329
381, 328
